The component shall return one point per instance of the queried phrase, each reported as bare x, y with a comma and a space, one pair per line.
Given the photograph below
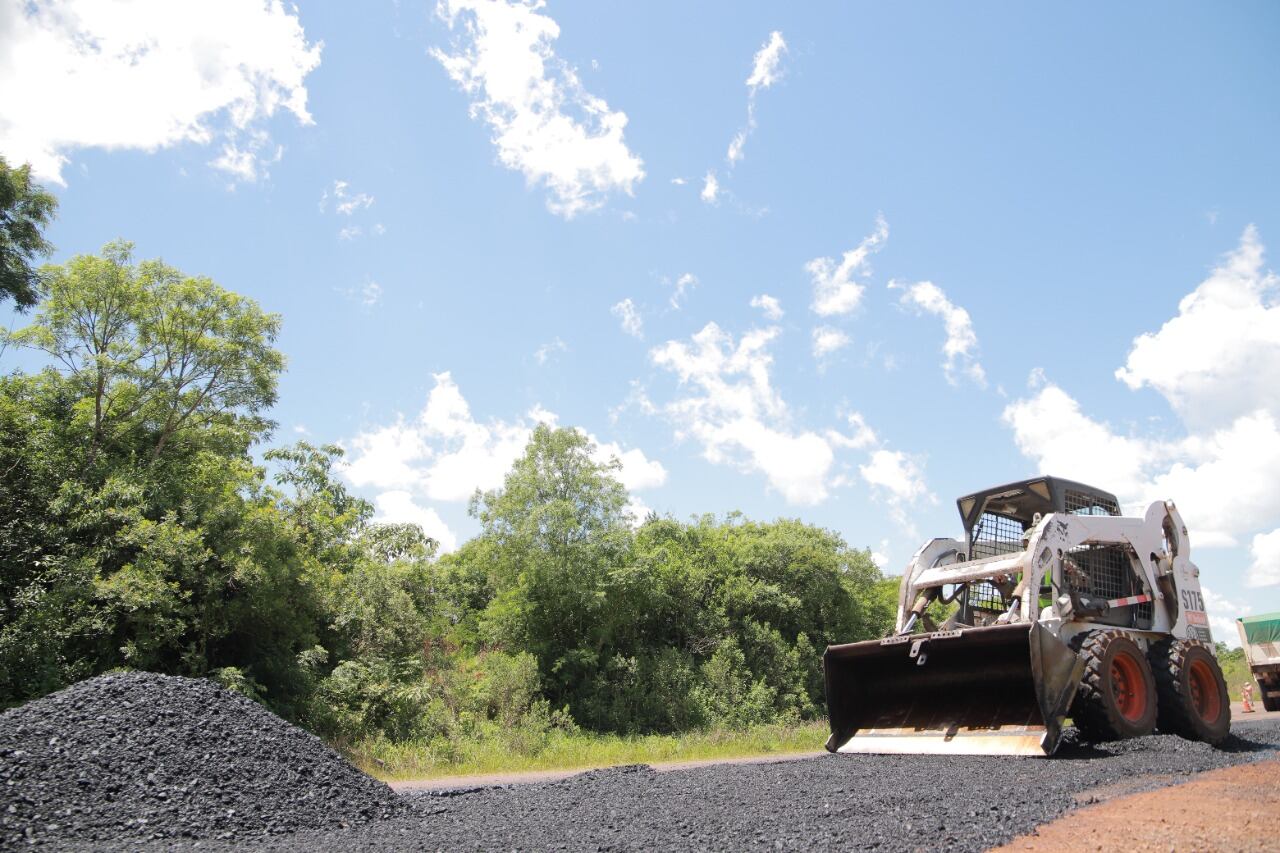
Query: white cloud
768, 305
836, 289
765, 71
899, 480
638, 471
149, 74
682, 285
961, 345
632, 323
1265, 551
1225, 482
710, 188
351, 205
398, 507
545, 124
545, 352
679, 182
368, 294
1051, 428
1224, 473
345, 201
444, 454
732, 410
1220, 357
827, 340
863, 435
728, 404
1223, 613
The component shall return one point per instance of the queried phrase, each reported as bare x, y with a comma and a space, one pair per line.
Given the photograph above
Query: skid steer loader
1053, 605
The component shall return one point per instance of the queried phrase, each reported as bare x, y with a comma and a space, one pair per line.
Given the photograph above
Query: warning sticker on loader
1197, 617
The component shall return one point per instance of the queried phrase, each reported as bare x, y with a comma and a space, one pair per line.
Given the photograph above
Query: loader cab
996, 519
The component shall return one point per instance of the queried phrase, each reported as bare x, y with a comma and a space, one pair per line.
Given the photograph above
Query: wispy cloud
630, 318
547, 351
545, 124
961, 346
836, 286
710, 188
827, 340
681, 286
768, 305
765, 71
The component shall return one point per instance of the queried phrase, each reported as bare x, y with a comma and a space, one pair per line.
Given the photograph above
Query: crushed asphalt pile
138, 756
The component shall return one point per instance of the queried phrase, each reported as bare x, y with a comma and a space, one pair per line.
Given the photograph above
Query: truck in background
1260, 639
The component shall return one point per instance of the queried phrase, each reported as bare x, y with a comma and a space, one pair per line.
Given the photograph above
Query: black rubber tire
1172, 661
1270, 704
1096, 709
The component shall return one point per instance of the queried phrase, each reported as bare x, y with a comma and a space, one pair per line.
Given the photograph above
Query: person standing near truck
1246, 697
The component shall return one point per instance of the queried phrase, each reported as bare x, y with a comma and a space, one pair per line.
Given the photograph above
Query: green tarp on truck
1261, 629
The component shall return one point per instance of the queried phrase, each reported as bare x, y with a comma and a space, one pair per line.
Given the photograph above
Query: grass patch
559, 750
1235, 671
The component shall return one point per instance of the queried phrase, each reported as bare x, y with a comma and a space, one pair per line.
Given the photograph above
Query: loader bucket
998, 690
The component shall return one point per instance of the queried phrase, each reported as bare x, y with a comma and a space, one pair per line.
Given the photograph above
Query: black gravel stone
868, 802
186, 765
138, 756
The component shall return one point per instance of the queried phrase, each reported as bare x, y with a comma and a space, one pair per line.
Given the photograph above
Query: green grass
1235, 670
579, 751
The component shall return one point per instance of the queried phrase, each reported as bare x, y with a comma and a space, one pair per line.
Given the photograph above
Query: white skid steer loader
1054, 605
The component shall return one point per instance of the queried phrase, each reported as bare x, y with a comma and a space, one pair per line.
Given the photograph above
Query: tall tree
25, 210
560, 532
147, 346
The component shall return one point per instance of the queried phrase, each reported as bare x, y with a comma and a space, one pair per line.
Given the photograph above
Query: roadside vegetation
148, 521
518, 752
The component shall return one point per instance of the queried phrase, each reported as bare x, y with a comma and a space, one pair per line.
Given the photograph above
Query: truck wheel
1193, 694
1117, 695
1270, 704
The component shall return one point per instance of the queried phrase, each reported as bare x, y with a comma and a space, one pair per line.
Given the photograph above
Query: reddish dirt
1237, 808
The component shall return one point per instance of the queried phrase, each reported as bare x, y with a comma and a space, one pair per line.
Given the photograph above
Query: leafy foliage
25, 210
137, 530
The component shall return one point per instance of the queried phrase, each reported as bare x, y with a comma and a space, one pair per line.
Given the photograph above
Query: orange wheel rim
1204, 692
1128, 687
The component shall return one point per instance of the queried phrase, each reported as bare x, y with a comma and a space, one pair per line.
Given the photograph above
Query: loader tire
1192, 692
1117, 695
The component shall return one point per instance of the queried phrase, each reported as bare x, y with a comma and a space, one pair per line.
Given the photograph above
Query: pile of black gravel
140, 756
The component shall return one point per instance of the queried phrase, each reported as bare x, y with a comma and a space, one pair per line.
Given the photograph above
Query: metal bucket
998, 690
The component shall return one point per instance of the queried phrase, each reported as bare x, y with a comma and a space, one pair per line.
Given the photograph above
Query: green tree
560, 539
139, 531
25, 210
154, 354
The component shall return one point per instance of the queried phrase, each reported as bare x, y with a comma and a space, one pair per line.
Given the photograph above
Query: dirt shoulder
1237, 808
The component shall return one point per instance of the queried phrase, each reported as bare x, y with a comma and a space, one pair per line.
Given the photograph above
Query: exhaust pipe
997, 690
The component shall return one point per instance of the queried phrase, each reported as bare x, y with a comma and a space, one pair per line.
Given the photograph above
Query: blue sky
995, 239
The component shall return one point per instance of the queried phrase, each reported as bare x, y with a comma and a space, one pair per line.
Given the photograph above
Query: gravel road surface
189, 765
855, 802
